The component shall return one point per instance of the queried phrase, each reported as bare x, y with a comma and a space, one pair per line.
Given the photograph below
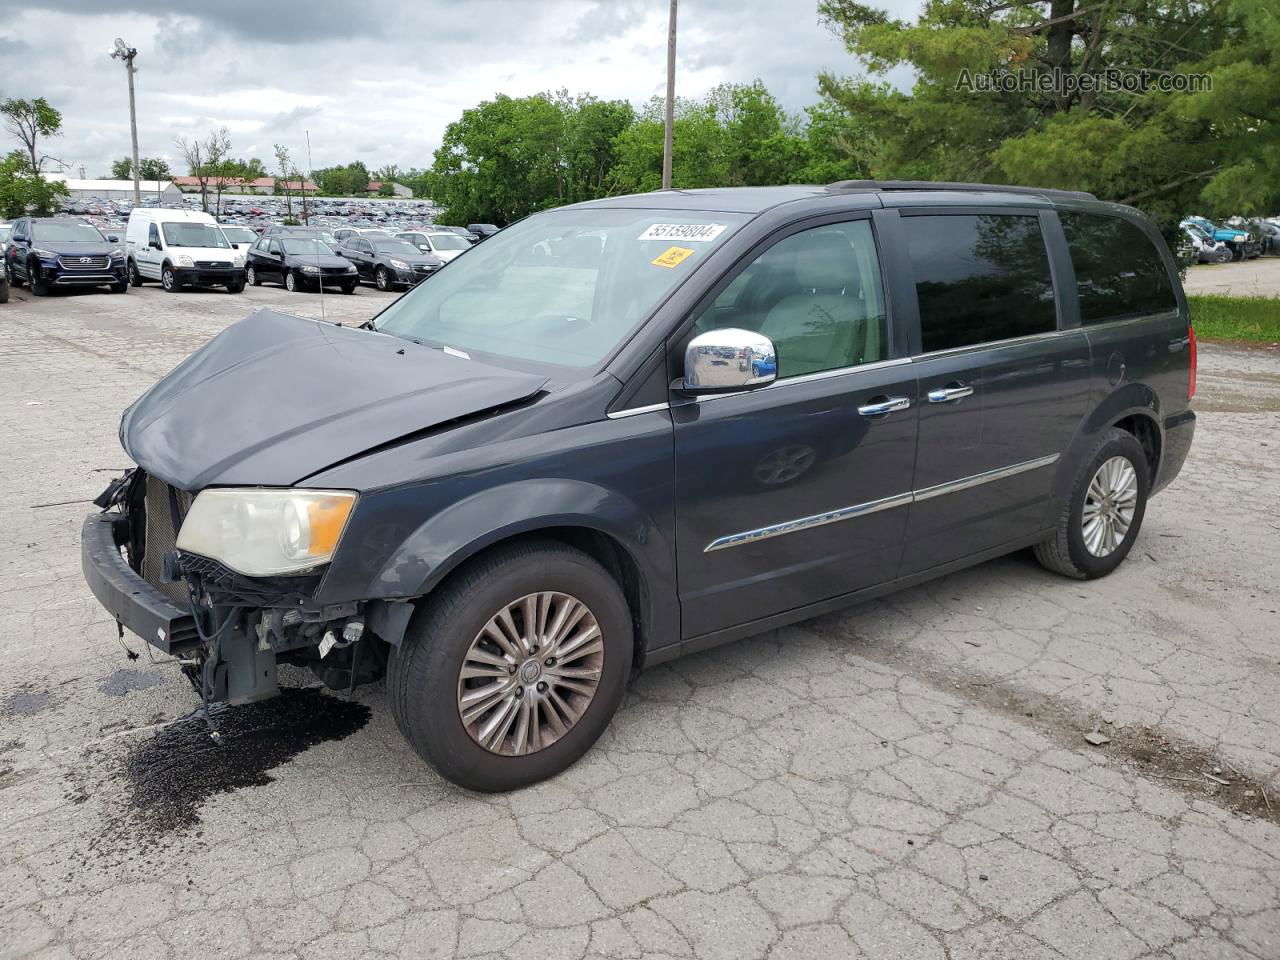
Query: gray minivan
630, 429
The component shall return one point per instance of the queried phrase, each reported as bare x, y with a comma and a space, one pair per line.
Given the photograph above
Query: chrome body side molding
873, 506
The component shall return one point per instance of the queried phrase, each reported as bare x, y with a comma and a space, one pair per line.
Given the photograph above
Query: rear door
148, 257
1003, 381
796, 492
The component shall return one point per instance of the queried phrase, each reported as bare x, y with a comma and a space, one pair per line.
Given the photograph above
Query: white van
181, 248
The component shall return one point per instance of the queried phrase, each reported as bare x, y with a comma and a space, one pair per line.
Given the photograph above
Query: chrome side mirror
728, 360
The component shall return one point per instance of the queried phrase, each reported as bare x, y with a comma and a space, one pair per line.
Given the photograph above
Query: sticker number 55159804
687, 232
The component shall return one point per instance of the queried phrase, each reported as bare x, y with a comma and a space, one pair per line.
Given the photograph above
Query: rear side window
1119, 272
980, 278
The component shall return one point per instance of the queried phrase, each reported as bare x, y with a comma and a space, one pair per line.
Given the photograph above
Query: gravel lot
1248, 278
907, 779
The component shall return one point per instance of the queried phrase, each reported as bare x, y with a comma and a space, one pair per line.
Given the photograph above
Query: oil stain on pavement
156, 790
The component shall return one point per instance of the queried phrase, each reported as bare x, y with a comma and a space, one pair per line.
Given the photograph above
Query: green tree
23, 190
29, 120
1169, 151
153, 168
387, 189
122, 169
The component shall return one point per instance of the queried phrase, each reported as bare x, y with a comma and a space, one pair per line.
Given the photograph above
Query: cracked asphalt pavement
908, 778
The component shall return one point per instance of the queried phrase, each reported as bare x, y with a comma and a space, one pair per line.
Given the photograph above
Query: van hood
275, 398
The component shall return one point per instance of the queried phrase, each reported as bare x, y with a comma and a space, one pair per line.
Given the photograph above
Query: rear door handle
880, 407
949, 393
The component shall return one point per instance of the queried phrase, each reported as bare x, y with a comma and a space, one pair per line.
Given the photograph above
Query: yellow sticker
672, 257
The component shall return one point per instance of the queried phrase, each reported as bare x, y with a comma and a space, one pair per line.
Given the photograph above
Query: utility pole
671, 98
125, 54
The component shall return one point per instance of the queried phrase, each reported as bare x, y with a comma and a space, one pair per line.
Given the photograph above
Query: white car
242, 238
445, 244
181, 248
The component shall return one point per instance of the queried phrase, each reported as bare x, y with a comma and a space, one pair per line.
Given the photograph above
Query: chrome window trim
988, 344
636, 411
811, 378
874, 506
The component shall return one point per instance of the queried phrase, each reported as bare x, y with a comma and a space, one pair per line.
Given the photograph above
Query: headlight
44, 254
310, 268
185, 261
1240, 238
117, 254
266, 532
237, 261
399, 264
351, 269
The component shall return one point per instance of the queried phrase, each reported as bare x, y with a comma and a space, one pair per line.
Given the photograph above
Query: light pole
671, 98
125, 53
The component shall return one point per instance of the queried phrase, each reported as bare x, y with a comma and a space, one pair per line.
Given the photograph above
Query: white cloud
381, 86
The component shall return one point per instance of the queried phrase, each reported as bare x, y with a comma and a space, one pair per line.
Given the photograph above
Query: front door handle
882, 405
951, 392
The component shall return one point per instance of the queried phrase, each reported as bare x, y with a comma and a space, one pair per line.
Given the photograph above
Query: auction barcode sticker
688, 232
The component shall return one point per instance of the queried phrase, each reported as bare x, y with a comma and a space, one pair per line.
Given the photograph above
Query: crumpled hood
275, 398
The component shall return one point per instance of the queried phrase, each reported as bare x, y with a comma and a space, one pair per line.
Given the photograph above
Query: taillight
1191, 340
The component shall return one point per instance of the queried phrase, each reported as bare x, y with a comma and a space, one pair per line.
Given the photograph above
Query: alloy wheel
290, 282
383, 279
530, 673
1109, 506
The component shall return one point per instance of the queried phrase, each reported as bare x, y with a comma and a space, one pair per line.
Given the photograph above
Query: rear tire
1067, 552
425, 684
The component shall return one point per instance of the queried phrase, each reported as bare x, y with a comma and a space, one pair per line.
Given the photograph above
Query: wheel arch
602, 523
1132, 407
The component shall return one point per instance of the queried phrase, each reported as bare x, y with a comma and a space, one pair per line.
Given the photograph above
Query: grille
213, 264
422, 268
162, 537
83, 263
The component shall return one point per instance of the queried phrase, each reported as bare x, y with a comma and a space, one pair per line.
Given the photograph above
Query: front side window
194, 235
1119, 271
980, 278
816, 294
561, 288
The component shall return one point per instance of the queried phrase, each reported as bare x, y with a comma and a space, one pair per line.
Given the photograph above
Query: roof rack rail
842, 186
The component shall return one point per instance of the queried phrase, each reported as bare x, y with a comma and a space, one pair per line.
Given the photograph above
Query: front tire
291, 281
119, 288
348, 288
135, 278
382, 279
39, 288
169, 280
1104, 512
236, 287
514, 667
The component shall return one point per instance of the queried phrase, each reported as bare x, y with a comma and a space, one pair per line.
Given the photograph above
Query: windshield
69, 231
448, 241
300, 246
564, 287
194, 235
396, 246
239, 234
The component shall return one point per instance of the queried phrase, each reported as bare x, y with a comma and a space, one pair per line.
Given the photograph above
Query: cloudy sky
378, 82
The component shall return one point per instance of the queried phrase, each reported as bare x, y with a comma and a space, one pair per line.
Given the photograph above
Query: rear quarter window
1119, 270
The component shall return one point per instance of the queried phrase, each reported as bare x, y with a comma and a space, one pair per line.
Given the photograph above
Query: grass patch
1217, 317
